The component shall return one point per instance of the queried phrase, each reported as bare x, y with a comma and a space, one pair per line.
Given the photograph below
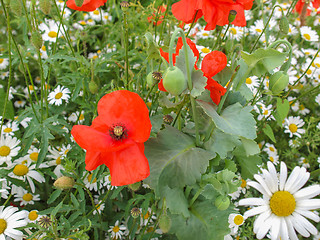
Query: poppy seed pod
232, 16
222, 202
174, 81
93, 87
64, 183
278, 82
284, 25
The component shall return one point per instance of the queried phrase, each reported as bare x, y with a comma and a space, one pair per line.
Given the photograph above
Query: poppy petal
185, 10
87, 6
213, 63
216, 90
93, 160
127, 108
127, 166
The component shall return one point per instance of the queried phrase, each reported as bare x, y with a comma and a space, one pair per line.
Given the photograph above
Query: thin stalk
293, 4
192, 24
195, 197
126, 45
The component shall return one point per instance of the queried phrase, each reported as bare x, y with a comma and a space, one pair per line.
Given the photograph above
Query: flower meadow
186, 119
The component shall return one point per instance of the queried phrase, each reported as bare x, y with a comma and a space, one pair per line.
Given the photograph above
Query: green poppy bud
165, 223
36, 40
284, 25
64, 183
78, 3
93, 87
222, 202
45, 6
278, 82
135, 186
174, 81
232, 16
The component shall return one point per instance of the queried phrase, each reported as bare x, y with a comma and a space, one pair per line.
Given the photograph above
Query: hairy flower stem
293, 4
190, 85
192, 24
126, 46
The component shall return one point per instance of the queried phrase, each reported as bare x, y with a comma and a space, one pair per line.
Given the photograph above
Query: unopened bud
78, 3
284, 25
124, 4
135, 186
278, 82
222, 202
36, 40
93, 87
165, 223
167, 119
64, 183
135, 212
45, 6
232, 15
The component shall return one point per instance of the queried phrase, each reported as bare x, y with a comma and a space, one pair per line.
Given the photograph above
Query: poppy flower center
33, 215
27, 197
3, 225
118, 132
20, 170
4, 151
282, 203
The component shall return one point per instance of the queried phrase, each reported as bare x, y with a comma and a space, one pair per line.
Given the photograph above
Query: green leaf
176, 201
224, 76
54, 196
235, 119
56, 209
241, 75
283, 107
199, 83
174, 160
74, 201
44, 144
9, 108
152, 47
263, 60
221, 143
268, 131
248, 164
250, 146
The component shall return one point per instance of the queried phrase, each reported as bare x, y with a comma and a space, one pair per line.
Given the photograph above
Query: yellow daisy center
309, 71
31, 88
205, 34
301, 107
58, 95
243, 183
115, 229
52, 34
271, 159
3, 225
293, 128
205, 50
96, 12
90, 177
27, 197
20, 170
7, 130
258, 30
248, 81
81, 117
34, 156
4, 151
83, 23
43, 48
233, 31
307, 36
265, 112
1, 60
271, 149
147, 215
33, 215
58, 161
238, 220
282, 203
94, 57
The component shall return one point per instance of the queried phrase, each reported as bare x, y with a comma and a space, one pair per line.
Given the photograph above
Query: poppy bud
36, 40
45, 6
284, 25
174, 81
232, 15
222, 202
78, 3
165, 223
64, 183
135, 186
278, 82
16, 7
93, 87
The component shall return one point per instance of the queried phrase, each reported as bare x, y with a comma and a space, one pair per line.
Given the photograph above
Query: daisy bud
278, 82
64, 183
16, 7
222, 202
79, 3
232, 16
284, 25
45, 6
36, 40
165, 223
93, 87
174, 81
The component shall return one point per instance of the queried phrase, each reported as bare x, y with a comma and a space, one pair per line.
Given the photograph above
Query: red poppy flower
161, 10
213, 63
87, 6
215, 12
300, 3
116, 137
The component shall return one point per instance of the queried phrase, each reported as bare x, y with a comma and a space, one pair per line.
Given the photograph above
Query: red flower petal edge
87, 6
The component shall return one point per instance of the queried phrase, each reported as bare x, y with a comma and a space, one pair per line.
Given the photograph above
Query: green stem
126, 43
195, 197
225, 33
293, 4
192, 24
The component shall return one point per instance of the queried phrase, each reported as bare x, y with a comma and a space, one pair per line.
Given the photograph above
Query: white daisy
4, 188
293, 126
294, 143
19, 103
10, 219
303, 110
4, 75
10, 128
91, 183
56, 156
304, 162
59, 94
50, 30
8, 148
96, 15
235, 220
317, 99
235, 32
25, 198
147, 217
33, 216
117, 230
308, 34
107, 182
284, 207
4, 62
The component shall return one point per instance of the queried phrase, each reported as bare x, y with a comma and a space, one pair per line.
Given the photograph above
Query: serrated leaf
250, 146
269, 132
152, 47
199, 82
263, 60
248, 164
221, 143
176, 201
174, 160
235, 119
